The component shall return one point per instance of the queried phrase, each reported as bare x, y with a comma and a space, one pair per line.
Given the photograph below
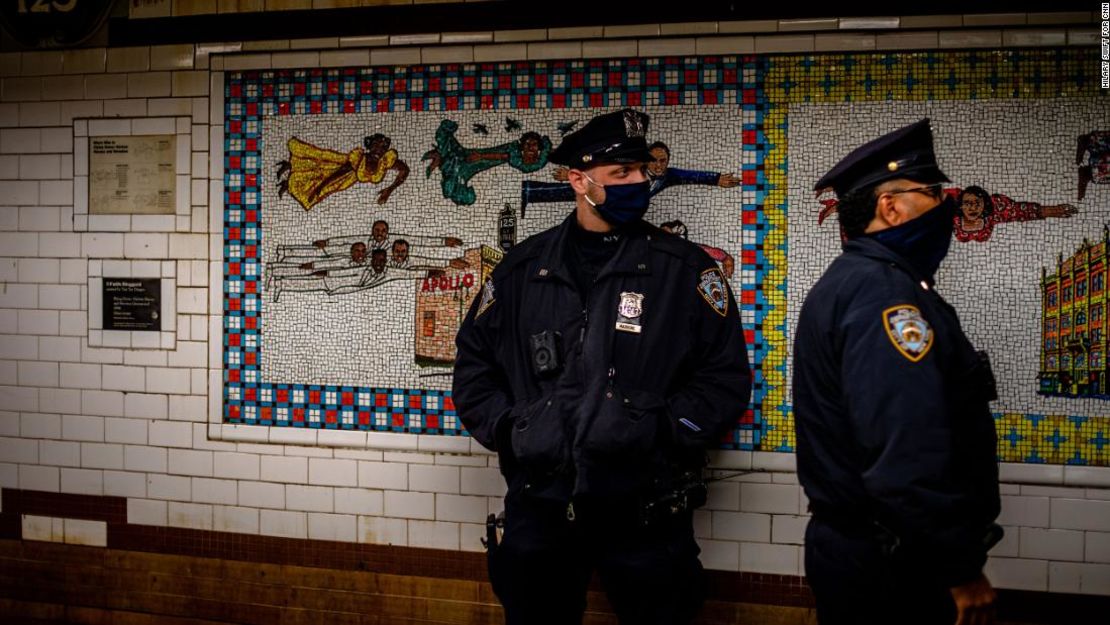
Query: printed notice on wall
132, 175
132, 304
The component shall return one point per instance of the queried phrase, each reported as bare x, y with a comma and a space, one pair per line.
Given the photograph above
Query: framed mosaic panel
363, 208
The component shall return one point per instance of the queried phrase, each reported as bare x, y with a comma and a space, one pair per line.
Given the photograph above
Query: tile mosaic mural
364, 205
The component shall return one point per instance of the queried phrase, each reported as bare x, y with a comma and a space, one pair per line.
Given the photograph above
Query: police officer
896, 443
601, 360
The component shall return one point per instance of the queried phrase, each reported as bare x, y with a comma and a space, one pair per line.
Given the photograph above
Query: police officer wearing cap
896, 442
600, 361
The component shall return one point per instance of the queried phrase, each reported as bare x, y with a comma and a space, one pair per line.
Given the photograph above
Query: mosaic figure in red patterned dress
980, 212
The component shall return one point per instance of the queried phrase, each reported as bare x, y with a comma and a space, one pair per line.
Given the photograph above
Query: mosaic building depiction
1073, 358
346, 275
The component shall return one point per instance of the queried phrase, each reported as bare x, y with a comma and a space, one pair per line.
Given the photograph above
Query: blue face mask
624, 203
923, 241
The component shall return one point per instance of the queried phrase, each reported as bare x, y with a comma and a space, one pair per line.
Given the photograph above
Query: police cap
904, 153
616, 137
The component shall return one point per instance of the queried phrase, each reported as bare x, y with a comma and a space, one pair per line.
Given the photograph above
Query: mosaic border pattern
958, 75
250, 96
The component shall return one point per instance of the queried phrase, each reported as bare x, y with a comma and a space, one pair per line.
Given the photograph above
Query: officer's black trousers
855, 583
544, 563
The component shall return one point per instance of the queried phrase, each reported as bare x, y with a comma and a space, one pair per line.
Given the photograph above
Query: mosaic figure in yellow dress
313, 173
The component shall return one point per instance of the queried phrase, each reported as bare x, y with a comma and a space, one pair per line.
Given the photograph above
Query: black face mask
923, 241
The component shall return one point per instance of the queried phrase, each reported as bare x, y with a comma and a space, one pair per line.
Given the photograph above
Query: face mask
624, 203
923, 241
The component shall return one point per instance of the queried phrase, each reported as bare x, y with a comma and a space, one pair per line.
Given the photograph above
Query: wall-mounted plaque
133, 304
132, 175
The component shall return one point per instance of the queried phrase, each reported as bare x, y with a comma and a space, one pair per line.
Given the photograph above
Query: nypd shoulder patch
911, 335
487, 298
711, 287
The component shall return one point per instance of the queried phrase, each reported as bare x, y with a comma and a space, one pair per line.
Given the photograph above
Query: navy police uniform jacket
891, 413
626, 409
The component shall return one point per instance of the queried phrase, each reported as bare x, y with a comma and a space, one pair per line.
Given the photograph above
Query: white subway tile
1018, 574
173, 487
235, 465
39, 218
213, 491
1024, 511
143, 458
59, 453
337, 527
190, 515
33, 425
83, 428
38, 478
187, 408
60, 297
83, 532
333, 472
101, 455
146, 512
461, 509
772, 498
175, 434
82, 481
284, 524
17, 244
433, 478
9, 424
720, 555
382, 530
190, 462
1048, 544
39, 528
1097, 547
235, 519
36, 373
309, 498
1080, 514
40, 167
17, 398
20, 140
145, 245
106, 403
60, 400
64, 244
409, 505
60, 348
284, 469
359, 501
13, 347
383, 475
261, 495
124, 484
434, 535
117, 378
488, 481
74, 323
144, 406
741, 526
39, 270
160, 380
770, 558
788, 529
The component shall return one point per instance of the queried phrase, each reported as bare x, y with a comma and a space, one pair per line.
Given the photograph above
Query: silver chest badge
629, 311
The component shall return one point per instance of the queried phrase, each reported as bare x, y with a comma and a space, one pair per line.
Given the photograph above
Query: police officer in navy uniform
601, 360
896, 442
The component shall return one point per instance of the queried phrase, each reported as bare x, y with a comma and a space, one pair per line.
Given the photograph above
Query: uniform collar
870, 248
633, 255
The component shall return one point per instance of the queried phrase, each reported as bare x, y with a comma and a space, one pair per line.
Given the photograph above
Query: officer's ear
888, 211
578, 181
